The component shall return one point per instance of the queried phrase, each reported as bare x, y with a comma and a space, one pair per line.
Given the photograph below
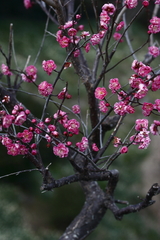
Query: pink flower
73, 126
142, 91
45, 88
120, 26
49, 66
154, 27
6, 141
13, 149
104, 19
87, 47
69, 24
95, 39
141, 124
20, 119
134, 81
61, 116
155, 83
156, 105
76, 109
31, 74
102, 106
109, 8
26, 136
85, 34
72, 32
154, 51
100, 93
76, 53
27, 4
94, 147
120, 108
83, 145
117, 142
117, 36
147, 108
131, 3
7, 120
64, 94
60, 150
124, 149
114, 84
5, 70
64, 41
154, 127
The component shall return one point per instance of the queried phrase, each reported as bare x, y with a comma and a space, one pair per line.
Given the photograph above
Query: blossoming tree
110, 102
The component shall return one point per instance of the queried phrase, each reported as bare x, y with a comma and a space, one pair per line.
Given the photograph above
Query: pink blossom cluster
140, 68
64, 94
141, 138
61, 150
154, 51
27, 4
49, 66
83, 145
45, 88
5, 70
154, 26
131, 3
30, 74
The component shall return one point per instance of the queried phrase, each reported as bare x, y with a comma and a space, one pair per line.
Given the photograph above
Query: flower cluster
5, 70
45, 88
49, 66
30, 74
141, 138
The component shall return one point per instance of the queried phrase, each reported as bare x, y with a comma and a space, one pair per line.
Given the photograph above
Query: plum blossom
26, 136
64, 94
94, 147
63, 41
154, 27
117, 36
95, 39
20, 118
141, 124
114, 84
27, 4
120, 26
156, 105
154, 127
45, 88
103, 106
140, 68
49, 66
142, 91
76, 109
154, 51
87, 47
83, 145
117, 142
155, 83
31, 74
61, 116
100, 93
5, 70
73, 126
109, 8
7, 120
124, 149
60, 150
131, 3
147, 108
6, 141
72, 32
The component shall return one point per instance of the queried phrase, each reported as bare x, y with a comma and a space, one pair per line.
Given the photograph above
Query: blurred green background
25, 212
